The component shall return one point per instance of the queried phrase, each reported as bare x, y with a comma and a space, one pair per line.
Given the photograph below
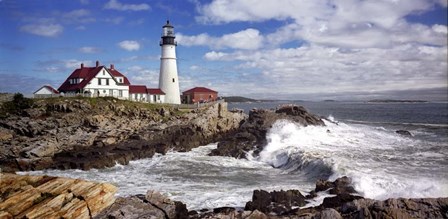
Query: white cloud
214, 56
116, 5
346, 23
78, 16
129, 45
316, 69
77, 13
115, 20
46, 30
245, 39
194, 67
140, 75
89, 49
440, 29
72, 64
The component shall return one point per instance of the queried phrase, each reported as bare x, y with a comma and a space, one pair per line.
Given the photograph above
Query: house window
135, 96
104, 91
120, 80
107, 81
174, 80
120, 93
99, 81
111, 92
158, 97
104, 72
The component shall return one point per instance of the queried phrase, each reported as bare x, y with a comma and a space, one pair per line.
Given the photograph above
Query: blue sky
284, 49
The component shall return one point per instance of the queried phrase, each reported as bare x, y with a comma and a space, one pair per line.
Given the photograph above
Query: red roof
200, 90
155, 91
137, 89
116, 73
50, 88
87, 74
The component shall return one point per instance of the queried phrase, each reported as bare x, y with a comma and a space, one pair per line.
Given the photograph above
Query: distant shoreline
396, 101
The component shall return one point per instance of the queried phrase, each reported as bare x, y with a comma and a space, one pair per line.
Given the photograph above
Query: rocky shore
54, 197
98, 133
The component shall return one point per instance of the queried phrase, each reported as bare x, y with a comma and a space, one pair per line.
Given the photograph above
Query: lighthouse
168, 79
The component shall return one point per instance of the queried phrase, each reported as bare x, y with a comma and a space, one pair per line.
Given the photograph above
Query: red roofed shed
199, 94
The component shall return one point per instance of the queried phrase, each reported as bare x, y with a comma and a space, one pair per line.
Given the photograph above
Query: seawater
358, 141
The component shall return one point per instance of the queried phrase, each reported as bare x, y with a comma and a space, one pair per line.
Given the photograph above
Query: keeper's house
100, 81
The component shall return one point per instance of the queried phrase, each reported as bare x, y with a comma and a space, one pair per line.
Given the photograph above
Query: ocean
359, 141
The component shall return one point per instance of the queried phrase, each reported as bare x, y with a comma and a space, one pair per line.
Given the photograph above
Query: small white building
142, 94
45, 92
97, 81
138, 93
155, 95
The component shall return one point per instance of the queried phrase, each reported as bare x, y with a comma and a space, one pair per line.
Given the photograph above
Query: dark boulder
338, 200
277, 202
403, 132
339, 186
396, 208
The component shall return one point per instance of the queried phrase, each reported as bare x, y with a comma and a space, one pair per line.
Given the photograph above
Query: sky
263, 49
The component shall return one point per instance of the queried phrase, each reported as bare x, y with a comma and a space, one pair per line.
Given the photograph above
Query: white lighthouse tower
168, 79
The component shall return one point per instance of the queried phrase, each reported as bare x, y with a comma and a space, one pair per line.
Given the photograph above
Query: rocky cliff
251, 135
97, 133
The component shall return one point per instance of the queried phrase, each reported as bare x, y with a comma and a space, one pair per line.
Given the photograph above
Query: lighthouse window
174, 80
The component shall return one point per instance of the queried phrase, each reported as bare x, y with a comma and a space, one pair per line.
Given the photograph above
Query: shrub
16, 105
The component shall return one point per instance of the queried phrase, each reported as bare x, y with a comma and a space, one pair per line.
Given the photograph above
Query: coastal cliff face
251, 135
98, 133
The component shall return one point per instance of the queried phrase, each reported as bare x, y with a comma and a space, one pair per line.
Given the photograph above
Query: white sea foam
381, 163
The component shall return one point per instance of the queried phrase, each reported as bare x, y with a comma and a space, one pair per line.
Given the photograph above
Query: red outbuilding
199, 95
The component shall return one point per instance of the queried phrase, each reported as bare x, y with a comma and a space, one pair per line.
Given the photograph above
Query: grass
97, 101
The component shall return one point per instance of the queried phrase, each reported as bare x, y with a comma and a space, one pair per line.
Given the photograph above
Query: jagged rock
43, 149
252, 132
131, 208
328, 213
5, 135
52, 197
403, 132
339, 186
339, 200
397, 208
278, 202
77, 134
152, 205
172, 209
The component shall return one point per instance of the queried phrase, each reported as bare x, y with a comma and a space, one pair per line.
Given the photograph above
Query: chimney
82, 65
97, 63
112, 66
